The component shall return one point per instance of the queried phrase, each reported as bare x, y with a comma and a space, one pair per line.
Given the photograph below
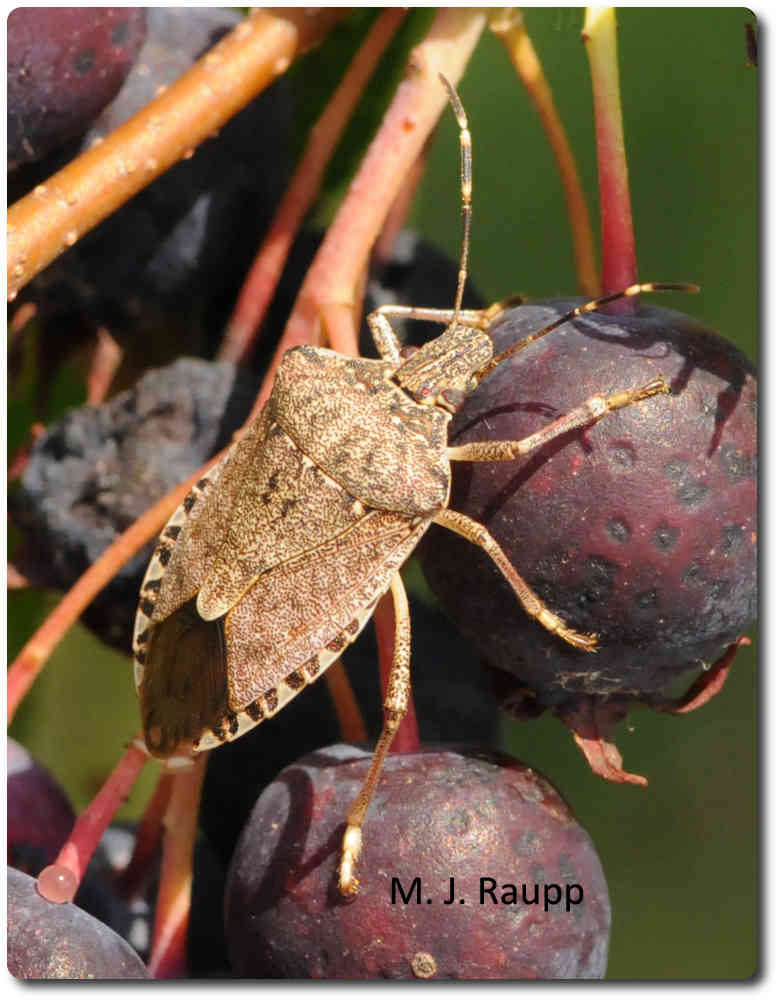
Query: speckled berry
526, 892
60, 941
641, 528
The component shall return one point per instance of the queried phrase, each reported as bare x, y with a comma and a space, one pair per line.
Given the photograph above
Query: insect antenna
465, 189
594, 304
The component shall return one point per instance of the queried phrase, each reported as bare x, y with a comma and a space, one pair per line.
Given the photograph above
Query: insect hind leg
395, 705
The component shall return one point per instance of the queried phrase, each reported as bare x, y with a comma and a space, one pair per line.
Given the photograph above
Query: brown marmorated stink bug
277, 558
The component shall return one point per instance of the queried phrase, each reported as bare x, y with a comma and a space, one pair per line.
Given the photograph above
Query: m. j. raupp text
490, 892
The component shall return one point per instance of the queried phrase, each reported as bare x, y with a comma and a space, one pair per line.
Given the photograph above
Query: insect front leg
530, 601
395, 705
386, 340
594, 408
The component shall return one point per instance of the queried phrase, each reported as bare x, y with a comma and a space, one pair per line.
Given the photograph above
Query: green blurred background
680, 857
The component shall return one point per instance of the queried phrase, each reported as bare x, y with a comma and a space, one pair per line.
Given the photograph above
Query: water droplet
281, 65
71, 237
40, 190
57, 883
188, 154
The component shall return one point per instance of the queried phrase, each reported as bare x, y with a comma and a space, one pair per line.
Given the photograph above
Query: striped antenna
465, 189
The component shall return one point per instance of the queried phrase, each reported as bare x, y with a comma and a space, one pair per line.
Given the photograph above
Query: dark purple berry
60, 941
155, 273
640, 528
65, 64
453, 702
39, 815
494, 826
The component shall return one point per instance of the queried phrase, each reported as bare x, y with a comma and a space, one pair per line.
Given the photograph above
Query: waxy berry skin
640, 528
454, 817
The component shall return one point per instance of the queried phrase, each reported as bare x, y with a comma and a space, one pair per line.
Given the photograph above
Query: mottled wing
269, 504
299, 616
196, 533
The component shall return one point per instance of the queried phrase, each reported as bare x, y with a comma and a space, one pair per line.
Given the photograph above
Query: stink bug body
277, 558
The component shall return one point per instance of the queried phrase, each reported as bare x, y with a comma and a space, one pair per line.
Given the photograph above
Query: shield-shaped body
277, 558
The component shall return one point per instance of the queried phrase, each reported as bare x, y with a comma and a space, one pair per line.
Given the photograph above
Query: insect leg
395, 704
385, 338
595, 408
533, 605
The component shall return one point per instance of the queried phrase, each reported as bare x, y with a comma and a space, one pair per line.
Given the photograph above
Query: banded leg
578, 311
395, 704
595, 408
476, 533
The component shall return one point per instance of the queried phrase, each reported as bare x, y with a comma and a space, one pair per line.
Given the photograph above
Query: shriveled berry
60, 941
526, 892
98, 469
641, 528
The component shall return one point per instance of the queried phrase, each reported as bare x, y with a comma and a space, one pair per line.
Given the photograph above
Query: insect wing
185, 689
281, 505
195, 535
299, 616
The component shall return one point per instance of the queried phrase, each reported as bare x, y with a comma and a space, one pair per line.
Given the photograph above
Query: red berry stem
618, 251
707, 685
327, 305
260, 284
106, 359
147, 839
169, 941
60, 881
33, 656
351, 725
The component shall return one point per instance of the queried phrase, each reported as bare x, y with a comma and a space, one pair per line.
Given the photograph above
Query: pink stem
264, 275
60, 880
147, 839
334, 278
105, 362
169, 942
